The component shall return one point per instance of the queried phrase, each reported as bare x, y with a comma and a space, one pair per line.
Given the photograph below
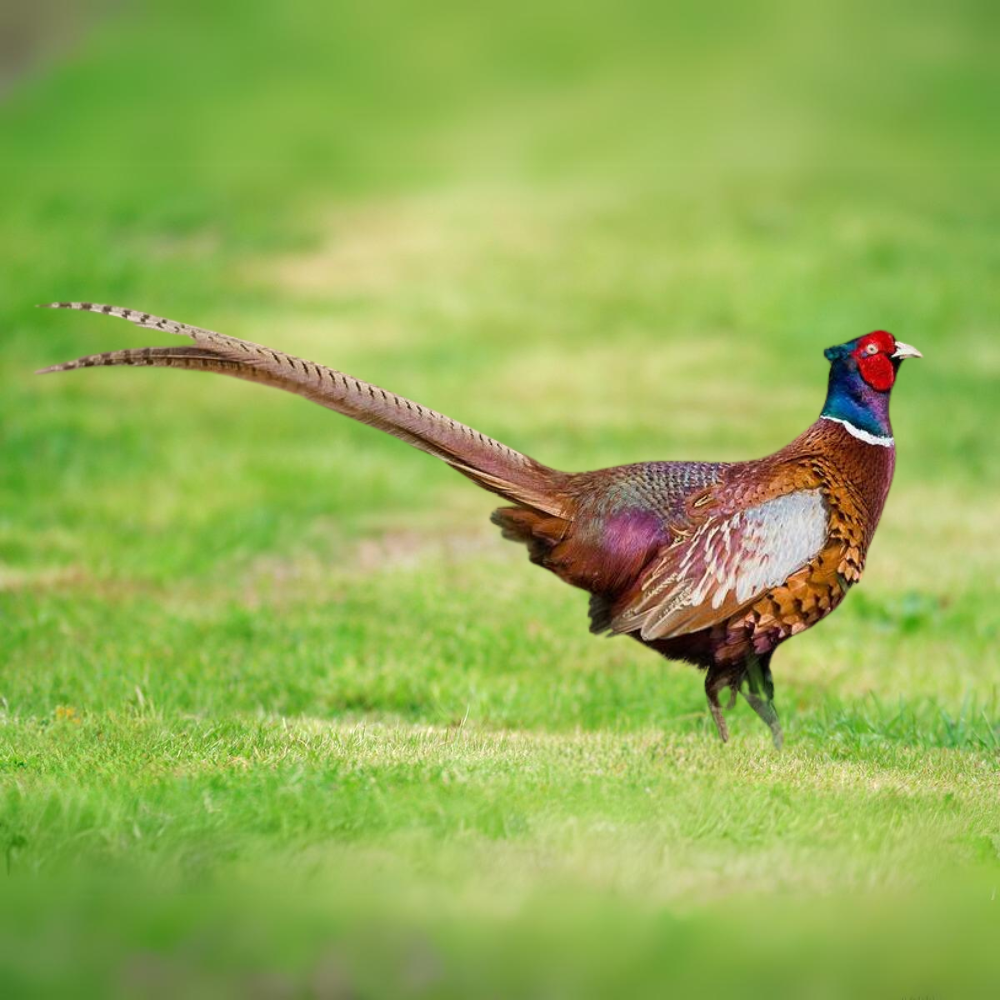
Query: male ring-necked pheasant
715, 563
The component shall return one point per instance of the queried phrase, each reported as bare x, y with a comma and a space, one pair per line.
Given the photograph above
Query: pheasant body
712, 563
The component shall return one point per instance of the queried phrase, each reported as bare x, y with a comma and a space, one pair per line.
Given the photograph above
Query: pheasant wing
727, 562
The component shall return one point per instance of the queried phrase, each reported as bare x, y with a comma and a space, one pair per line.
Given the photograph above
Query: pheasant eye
871, 349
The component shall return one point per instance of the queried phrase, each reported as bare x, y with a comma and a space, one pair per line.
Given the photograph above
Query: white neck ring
882, 442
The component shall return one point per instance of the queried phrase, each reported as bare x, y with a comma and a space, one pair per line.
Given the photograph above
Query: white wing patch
776, 538
729, 562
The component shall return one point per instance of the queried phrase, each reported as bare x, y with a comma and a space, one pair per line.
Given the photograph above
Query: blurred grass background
281, 714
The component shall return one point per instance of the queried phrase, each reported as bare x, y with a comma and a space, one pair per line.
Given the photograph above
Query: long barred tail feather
492, 465
163, 357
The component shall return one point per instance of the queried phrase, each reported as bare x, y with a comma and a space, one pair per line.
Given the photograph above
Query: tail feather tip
64, 366
83, 306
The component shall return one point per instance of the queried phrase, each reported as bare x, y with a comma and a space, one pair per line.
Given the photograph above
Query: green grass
281, 713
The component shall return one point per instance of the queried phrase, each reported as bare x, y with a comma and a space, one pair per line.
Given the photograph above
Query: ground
281, 712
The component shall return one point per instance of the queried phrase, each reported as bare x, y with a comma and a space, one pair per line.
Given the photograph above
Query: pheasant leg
714, 683
758, 689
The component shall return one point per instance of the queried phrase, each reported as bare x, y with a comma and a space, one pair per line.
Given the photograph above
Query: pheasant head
862, 374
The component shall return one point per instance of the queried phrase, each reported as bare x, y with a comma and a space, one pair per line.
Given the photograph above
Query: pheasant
713, 563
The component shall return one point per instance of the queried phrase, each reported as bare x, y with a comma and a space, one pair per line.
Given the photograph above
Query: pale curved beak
905, 351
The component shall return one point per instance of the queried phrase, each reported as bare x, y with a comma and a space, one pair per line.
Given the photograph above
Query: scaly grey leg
759, 693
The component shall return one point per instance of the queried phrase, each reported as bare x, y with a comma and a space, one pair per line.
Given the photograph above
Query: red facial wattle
874, 357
